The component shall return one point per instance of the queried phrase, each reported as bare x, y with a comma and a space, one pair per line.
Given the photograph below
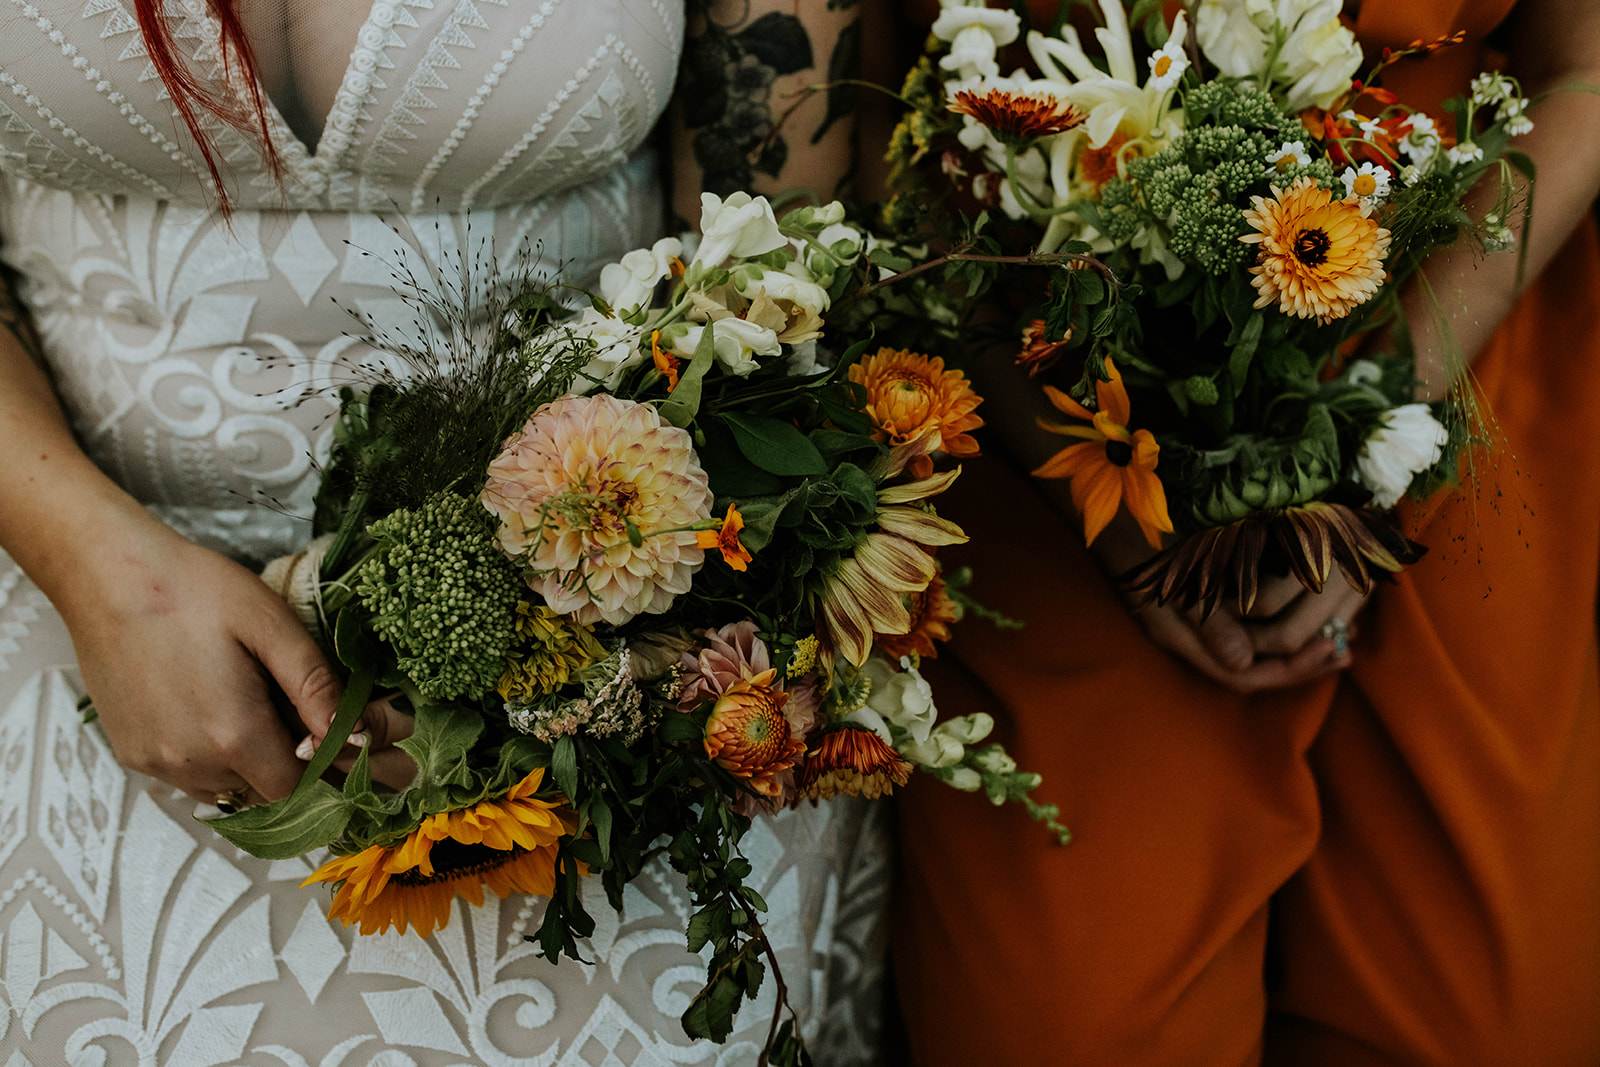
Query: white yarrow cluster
1408, 441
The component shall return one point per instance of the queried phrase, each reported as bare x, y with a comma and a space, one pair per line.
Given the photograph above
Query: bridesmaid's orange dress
1397, 866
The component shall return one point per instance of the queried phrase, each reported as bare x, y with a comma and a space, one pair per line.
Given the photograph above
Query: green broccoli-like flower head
442, 595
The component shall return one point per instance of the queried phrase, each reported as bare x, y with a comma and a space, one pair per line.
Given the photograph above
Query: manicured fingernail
359, 739
207, 812
306, 748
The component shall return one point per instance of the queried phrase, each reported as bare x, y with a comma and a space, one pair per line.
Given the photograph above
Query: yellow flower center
908, 405
1311, 247
1285, 162
1365, 185
1163, 64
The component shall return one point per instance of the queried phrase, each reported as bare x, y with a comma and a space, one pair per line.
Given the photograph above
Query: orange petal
1066, 405
1101, 497
1069, 461
1146, 499
1113, 395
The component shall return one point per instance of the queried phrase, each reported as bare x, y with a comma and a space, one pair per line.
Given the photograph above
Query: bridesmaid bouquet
1226, 212
638, 573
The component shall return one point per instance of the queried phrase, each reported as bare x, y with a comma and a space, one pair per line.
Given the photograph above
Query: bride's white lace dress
195, 359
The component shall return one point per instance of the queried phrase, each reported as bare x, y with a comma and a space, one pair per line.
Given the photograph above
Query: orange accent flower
1319, 257
507, 844
1111, 466
676, 268
1017, 116
932, 611
909, 395
1038, 353
725, 539
748, 734
665, 362
1099, 165
852, 761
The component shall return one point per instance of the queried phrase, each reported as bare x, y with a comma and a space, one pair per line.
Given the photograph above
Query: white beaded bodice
198, 358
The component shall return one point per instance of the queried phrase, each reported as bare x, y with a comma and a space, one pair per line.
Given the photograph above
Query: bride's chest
395, 103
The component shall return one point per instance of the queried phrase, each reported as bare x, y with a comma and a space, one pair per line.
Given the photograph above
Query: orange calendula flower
852, 761
1017, 117
725, 539
909, 395
1039, 353
507, 844
932, 611
665, 362
1319, 257
1112, 465
748, 734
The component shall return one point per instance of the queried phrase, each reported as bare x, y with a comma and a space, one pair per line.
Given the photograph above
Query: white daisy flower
1289, 154
1463, 153
1514, 113
1369, 128
1489, 88
1421, 140
1167, 66
1368, 184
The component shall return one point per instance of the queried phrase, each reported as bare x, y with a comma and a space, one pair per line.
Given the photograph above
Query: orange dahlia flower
748, 734
1112, 465
909, 395
507, 844
1039, 353
1017, 117
932, 611
1319, 257
852, 761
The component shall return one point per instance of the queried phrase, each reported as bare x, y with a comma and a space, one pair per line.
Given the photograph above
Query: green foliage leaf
775, 446
564, 765
683, 405
1244, 351
440, 740
310, 818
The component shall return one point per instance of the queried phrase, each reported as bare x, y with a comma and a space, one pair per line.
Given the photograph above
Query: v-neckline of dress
337, 129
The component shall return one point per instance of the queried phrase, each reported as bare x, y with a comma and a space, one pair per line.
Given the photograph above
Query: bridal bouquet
1227, 212
638, 573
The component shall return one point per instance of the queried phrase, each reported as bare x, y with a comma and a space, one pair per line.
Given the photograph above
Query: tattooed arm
742, 118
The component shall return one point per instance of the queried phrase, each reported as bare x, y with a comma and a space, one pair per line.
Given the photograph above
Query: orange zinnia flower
748, 734
665, 362
507, 844
1038, 353
932, 611
725, 539
909, 395
1319, 257
1111, 466
852, 761
1017, 116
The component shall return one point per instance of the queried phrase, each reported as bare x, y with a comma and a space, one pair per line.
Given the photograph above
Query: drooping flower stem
962, 255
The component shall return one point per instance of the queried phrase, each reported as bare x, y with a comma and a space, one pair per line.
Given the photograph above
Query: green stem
357, 691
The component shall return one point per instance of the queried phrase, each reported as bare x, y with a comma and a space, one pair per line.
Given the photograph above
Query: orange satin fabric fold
1399, 866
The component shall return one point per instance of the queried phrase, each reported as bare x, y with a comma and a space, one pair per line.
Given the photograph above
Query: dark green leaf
564, 765
775, 446
684, 404
1245, 351
441, 737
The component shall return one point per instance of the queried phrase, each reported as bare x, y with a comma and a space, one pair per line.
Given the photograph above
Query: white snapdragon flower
1363, 372
947, 745
1408, 442
740, 227
1318, 57
787, 302
1289, 154
1368, 185
975, 33
632, 280
735, 341
899, 703
1463, 153
842, 239
617, 349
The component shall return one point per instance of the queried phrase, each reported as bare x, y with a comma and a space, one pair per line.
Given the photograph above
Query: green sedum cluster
442, 595
1196, 188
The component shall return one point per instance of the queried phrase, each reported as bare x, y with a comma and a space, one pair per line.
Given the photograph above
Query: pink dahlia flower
585, 479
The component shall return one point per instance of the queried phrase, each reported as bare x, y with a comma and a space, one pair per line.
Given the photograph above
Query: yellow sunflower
507, 844
1319, 257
